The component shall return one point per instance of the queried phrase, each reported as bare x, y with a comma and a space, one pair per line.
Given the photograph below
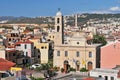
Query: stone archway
90, 65
66, 66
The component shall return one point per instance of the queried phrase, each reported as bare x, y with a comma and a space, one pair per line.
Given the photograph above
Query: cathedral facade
77, 53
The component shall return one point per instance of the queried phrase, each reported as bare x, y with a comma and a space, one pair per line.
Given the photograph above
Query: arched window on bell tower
58, 28
58, 20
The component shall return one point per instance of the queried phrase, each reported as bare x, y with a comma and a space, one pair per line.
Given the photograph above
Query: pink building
110, 55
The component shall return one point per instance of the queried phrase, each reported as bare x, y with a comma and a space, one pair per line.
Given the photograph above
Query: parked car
34, 66
5, 74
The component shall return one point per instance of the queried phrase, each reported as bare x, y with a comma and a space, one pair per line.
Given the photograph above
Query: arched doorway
66, 66
77, 65
90, 65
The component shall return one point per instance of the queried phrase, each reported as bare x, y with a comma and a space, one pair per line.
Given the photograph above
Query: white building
107, 74
27, 47
2, 52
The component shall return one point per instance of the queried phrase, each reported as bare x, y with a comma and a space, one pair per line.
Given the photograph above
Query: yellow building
14, 69
51, 36
43, 50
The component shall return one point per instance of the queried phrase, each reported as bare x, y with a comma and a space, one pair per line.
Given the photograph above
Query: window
38, 56
58, 20
13, 54
18, 45
45, 47
58, 53
112, 78
90, 54
9, 39
25, 46
77, 42
77, 54
32, 46
106, 78
6, 55
38, 50
100, 76
13, 61
58, 28
42, 47
26, 53
66, 53
11, 35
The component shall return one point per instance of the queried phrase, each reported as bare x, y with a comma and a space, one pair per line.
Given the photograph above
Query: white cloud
101, 12
116, 8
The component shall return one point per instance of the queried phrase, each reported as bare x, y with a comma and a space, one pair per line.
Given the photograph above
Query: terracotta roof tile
5, 64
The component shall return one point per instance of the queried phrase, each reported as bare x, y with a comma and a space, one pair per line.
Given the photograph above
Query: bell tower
59, 29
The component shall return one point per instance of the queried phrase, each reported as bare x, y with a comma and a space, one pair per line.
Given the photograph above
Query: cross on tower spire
58, 9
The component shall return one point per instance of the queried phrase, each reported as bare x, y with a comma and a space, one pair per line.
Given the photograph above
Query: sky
34, 8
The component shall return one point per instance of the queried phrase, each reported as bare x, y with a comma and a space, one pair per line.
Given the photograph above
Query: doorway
66, 66
90, 65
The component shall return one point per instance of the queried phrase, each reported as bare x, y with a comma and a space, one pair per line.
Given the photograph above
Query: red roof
89, 79
26, 31
24, 42
5, 64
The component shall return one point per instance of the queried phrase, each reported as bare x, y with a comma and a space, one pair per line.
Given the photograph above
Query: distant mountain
3, 18
82, 19
36, 20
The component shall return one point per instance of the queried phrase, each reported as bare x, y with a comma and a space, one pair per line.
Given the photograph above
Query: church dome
58, 13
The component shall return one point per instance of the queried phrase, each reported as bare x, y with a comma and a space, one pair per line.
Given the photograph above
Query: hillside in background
50, 20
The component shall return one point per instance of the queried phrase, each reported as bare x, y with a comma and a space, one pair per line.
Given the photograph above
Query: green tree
62, 69
83, 70
99, 39
32, 78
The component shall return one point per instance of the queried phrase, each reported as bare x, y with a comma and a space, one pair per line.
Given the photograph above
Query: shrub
83, 70
38, 68
62, 69
72, 69
32, 78
56, 68
39, 79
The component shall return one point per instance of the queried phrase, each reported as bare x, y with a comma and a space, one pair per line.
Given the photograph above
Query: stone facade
76, 53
